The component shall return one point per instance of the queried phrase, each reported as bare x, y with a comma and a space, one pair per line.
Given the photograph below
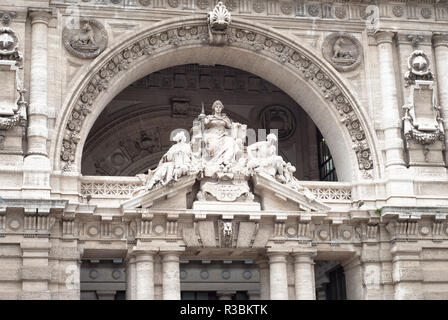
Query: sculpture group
216, 153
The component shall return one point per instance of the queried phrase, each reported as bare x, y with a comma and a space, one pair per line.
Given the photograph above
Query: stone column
145, 275
278, 275
225, 295
263, 270
407, 274
131, 279
304, 275
393, 143
36, 164
440, 42
171, 278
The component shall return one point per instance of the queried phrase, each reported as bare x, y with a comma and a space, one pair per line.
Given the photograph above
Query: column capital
304, 256
170, 256
40, 15
144, 256
278, 256
440, 39
383, 37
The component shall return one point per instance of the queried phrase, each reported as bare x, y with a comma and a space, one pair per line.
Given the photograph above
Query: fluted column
304, 276
278, 275
393, 143
131, 279
440, 42
171, 278
145, 276
263, 270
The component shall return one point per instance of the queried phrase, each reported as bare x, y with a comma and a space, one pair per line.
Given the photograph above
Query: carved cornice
195, 33
440, 39
40, 15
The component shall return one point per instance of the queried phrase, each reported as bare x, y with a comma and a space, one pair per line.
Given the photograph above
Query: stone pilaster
304, 275
36, 177
171, 279
263, 270
407, 274
144, 261
393, 143
35, 272
278, 275
440, 43
131, 279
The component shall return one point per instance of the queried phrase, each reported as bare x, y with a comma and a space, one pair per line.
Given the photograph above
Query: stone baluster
278, 275
440, 43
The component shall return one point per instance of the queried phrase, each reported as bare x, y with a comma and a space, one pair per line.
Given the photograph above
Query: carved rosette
87, 42
196, 34
342, 50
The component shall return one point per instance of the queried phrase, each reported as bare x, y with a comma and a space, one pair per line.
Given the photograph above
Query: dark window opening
327, 171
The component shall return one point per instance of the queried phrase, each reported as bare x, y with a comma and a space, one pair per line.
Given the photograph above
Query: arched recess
251, 47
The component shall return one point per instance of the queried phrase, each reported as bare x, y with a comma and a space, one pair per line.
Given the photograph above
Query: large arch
295, 69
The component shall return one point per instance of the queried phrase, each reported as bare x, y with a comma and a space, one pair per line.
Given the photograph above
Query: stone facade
91, 90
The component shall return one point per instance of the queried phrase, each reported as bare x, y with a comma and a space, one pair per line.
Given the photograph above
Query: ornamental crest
422, 123
9, 45
218, 21
87, 42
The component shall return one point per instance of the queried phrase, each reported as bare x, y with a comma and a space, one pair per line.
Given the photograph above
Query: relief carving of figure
341, 49
262, 156
174, 164
85, 37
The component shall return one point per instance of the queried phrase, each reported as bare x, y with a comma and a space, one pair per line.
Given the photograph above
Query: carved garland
199, 34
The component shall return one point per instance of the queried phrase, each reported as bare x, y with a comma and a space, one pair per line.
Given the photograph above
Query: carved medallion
259, 6
173, 3
340, 12
280, 118
313, 10
398, 11
9, 44
342, 50
88, 41
202, 4
286, 7
426, 13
